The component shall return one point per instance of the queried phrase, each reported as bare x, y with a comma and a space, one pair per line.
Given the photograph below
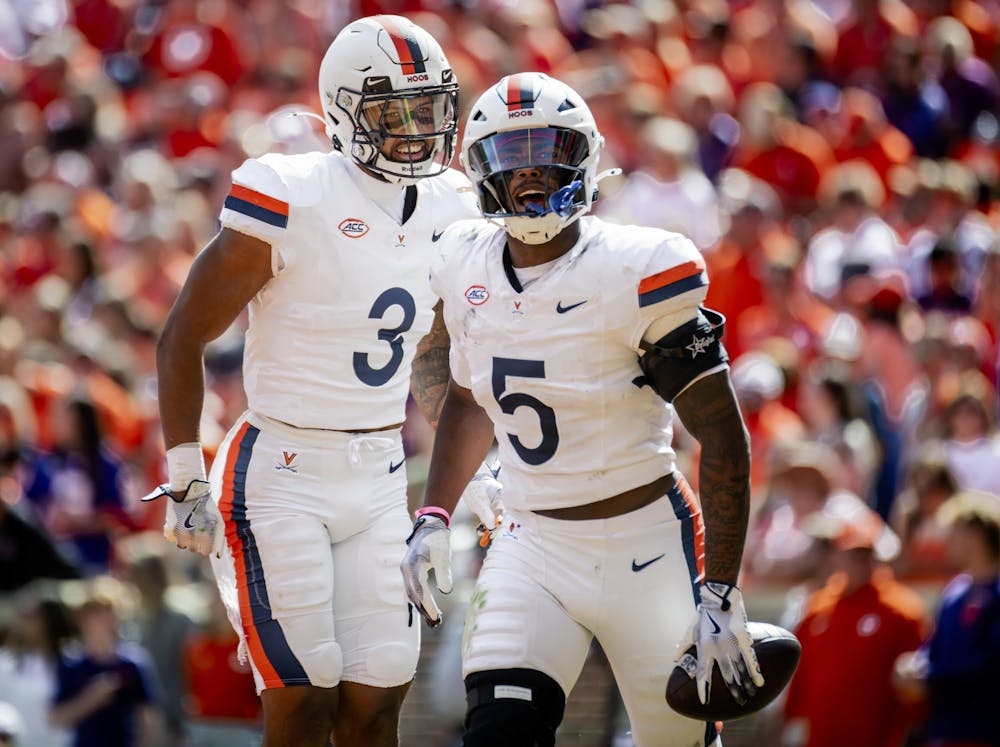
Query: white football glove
428, 547
721, 636
484, 497
193, 521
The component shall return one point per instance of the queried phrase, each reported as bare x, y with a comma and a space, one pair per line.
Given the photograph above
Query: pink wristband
434, 511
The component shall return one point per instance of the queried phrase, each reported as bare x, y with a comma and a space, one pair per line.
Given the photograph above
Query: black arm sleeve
677, 359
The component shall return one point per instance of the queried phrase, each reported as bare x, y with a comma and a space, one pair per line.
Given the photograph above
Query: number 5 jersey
554, 362
332, 335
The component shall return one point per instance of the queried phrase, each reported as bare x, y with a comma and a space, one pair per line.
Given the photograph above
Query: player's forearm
180, 386
429, 382
463, 438
711, 414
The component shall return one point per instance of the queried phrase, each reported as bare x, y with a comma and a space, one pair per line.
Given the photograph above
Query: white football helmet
385, 77
529, 121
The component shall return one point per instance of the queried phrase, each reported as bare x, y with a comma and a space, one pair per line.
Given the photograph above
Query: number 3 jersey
555, 363
332, 335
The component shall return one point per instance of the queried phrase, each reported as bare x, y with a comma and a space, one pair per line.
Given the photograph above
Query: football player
305, 512
573, 342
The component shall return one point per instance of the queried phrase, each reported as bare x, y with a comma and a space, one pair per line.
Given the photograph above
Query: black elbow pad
677, 359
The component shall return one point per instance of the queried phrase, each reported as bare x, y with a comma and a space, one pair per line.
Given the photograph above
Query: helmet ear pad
373, 63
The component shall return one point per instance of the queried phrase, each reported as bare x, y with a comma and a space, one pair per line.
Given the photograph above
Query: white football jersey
555, 364
333, 334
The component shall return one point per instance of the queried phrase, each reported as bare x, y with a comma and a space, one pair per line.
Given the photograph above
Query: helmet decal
411, 59
520, 92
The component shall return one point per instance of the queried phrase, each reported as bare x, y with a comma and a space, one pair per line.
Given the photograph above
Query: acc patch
477, 295
353, 228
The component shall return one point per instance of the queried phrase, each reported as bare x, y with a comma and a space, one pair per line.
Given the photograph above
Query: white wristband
185, 462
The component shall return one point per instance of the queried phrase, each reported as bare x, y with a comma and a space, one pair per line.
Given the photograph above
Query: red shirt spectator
850, 639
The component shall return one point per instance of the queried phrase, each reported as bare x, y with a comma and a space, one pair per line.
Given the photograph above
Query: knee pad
512, 708
326, 666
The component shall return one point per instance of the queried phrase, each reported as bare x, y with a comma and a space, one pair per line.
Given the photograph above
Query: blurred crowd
837, 162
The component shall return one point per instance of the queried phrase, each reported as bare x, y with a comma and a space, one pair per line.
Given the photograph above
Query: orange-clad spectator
709, 35
222, 703
533, 35
790, 156
737, 266
852, 632
788, 43
865, 37
788, 311
759, 383
868, 136
621, 53
924, 552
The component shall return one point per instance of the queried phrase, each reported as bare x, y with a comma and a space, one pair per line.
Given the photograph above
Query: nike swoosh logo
435, 235
187, 521
394, 467
560, 309
636, 567
714, 623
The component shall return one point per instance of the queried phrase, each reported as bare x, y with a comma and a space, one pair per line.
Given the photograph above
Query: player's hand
428, 547
193, 521
484, 497
720, 634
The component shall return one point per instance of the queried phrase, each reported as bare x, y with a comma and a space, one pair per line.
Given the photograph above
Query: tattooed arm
430, 369
709, 410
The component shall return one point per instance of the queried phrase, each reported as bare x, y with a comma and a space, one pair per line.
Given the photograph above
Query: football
778, 654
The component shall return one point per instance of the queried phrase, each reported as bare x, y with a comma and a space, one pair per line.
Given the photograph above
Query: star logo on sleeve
699, 345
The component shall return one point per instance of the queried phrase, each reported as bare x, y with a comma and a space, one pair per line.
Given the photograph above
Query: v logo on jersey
435, 235
636, 567
714, 623
289, 457
560, 309
394, 467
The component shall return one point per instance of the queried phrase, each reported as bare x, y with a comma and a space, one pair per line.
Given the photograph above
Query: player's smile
528, 189
407, 151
